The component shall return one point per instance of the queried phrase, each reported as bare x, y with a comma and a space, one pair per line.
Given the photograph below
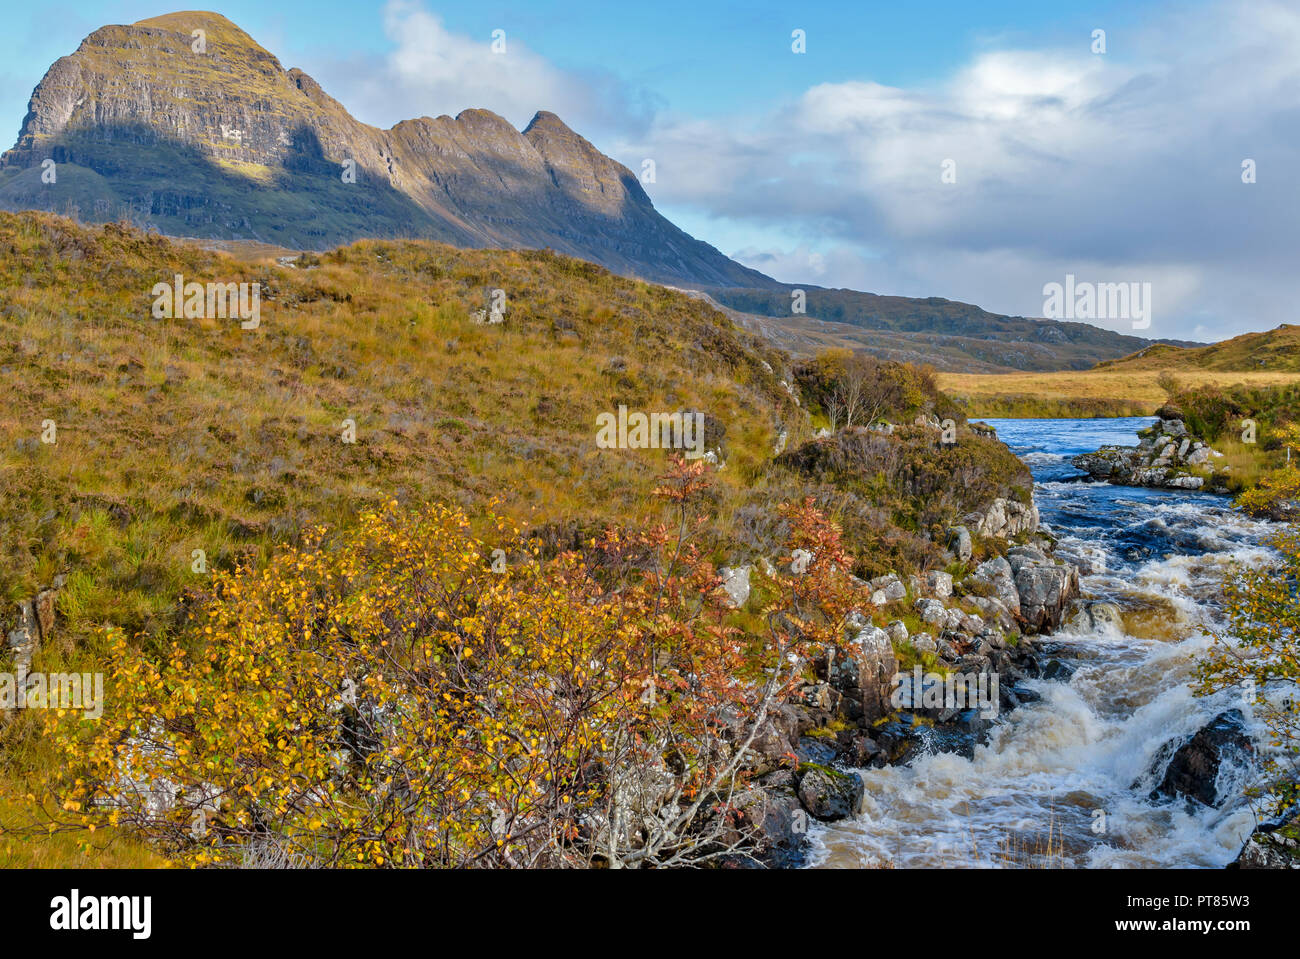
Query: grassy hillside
176, 435
179, 435
1273, 351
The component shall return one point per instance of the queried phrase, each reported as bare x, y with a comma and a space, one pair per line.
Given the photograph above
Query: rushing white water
1064, 781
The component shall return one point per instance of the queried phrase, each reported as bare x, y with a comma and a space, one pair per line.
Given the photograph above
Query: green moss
831, 729
828, 770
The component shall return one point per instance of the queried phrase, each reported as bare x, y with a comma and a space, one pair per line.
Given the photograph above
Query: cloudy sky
827, 166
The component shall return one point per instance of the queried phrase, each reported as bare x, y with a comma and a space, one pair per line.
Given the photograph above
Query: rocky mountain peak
216, 26
217, 139
544, 122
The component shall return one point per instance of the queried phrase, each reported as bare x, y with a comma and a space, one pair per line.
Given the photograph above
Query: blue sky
824, 167
702, 57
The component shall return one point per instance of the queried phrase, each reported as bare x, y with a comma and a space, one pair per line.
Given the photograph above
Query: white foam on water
1039, 458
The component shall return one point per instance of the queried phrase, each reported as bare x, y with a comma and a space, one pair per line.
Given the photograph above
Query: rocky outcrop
887, 589
1000, 579
937, 614
1273, 845
29, 623
829, 794
771, 812
864, 676
1028, 586
1045, 586
936, 583
1166, 457
959, 543
1005, 519
803, 773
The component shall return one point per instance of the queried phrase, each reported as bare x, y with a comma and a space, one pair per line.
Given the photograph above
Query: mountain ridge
951, 335
176, 138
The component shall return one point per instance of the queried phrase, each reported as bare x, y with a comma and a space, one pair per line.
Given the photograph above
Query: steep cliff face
217, 139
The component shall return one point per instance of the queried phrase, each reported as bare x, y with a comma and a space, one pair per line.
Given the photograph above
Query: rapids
1064, 782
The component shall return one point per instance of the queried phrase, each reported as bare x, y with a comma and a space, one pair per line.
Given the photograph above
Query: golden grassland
1103, 391
182, 434
1275, 350
177, 435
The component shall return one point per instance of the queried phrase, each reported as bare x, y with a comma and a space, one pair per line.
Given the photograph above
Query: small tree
1288, 435
852, 387
1259, 653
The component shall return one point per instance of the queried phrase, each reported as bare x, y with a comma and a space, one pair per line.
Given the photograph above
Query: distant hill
1248, 367
952, 336
1275, 350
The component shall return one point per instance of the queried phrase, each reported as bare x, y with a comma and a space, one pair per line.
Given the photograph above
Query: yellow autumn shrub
405, 693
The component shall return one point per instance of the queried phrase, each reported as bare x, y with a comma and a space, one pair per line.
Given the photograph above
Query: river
1064, 781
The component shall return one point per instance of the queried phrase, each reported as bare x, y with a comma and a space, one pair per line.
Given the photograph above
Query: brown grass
1129, 392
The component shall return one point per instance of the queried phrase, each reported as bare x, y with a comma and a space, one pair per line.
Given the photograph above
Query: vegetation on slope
1257, 430
1275, 350
175, 436
1257, 654
1103, 391
386, 697
183, 434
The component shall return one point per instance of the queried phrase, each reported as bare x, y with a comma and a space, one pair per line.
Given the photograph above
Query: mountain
1276, 351
228, 144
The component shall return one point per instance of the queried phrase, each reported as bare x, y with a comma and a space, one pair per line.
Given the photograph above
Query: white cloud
1111, 169
433, 70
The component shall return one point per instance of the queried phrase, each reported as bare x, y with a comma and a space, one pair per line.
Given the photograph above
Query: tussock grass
1245, 463
177, 435
109, 849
